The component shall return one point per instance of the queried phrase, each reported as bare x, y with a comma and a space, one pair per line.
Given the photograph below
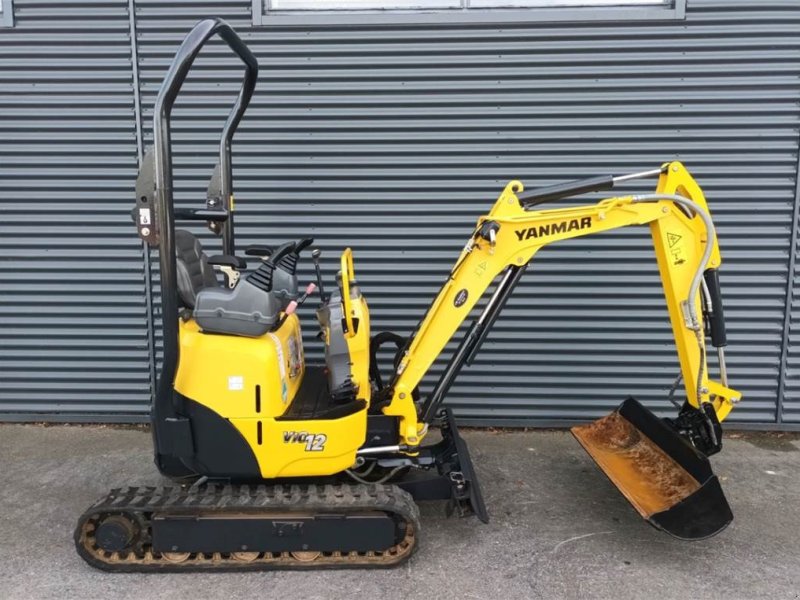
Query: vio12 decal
314, 442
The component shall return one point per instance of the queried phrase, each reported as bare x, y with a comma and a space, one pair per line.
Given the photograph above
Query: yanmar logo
553, 228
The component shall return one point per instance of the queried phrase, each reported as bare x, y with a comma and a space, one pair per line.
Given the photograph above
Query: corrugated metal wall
393, 141
73, 335
789, 398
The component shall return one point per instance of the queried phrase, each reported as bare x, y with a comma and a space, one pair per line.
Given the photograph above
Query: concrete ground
558, 530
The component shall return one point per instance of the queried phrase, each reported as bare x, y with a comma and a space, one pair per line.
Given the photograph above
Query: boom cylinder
472, 341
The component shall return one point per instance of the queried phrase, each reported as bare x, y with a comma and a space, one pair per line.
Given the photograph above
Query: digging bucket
666, 479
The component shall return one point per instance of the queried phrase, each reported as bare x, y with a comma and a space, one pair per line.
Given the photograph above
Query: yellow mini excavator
282, 464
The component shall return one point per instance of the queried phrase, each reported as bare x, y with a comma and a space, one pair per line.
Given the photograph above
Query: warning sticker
281, 367
279, 351
295, 357
673, 238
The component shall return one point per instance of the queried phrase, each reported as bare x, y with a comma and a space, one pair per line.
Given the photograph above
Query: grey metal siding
395, 139
789, 399
73, 341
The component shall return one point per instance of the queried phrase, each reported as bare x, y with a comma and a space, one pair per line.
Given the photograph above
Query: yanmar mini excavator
282, 464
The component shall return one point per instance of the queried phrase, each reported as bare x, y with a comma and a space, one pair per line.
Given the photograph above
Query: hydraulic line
694, 288
383, 479
672, 389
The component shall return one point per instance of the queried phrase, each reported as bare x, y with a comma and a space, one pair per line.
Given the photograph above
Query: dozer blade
455, 479
661, 474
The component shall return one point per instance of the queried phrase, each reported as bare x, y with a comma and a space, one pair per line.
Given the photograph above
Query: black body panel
219, 448
382, 430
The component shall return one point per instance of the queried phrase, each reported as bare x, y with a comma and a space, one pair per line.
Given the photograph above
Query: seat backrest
193, 271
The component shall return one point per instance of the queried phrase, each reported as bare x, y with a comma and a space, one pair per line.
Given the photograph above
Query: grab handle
348, 276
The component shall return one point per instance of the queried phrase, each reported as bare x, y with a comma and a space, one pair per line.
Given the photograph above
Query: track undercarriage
227, 527
238, 528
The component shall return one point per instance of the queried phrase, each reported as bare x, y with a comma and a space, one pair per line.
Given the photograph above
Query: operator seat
193, 271
249, 309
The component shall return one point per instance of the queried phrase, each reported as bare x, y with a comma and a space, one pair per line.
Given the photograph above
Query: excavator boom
659, 465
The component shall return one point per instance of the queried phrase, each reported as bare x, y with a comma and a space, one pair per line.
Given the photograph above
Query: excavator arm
509, 236
660, 465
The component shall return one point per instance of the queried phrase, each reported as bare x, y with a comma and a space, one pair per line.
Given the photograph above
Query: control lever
262, 277
302, 244
279, 253
315, 254
261, 250
295, 304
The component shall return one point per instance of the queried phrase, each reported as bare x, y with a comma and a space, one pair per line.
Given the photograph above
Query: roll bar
173, 81
165, 213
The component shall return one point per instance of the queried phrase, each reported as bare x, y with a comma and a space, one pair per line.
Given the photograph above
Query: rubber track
139, 503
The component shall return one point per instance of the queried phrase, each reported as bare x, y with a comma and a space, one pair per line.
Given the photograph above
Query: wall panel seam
787, 317
148, 280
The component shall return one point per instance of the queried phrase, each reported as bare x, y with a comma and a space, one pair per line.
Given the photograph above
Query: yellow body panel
251, 381
356, 311
321, 447
226, 372
359, 350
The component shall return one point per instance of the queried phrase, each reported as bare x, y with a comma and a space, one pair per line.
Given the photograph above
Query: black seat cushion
193, 271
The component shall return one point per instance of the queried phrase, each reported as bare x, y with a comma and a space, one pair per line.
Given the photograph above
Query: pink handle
291, 308
310, 289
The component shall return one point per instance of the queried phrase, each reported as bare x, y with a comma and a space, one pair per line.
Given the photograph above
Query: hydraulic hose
694, 288
691, 206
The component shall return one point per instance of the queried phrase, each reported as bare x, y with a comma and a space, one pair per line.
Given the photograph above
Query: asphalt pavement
558, 528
